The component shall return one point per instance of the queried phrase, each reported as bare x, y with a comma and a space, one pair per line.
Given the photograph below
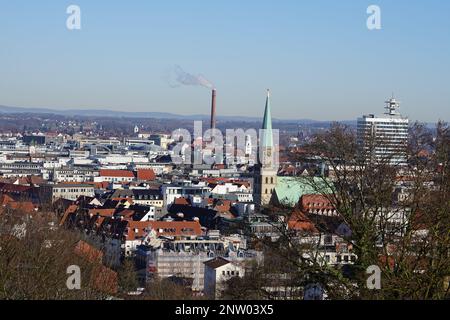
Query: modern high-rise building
384, 139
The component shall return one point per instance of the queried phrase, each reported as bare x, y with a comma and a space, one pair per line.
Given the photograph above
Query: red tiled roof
70, 210
182, 201
215, 180
223, 206
312, 202
99, 221
423, 153
99, 185
87, 251
28, 180
299, 222
102, 212
387, 261
146, 174
420, 221
136, 229
127, 213
7, 187
105, 279
116, 173
6, 199
27, 207
241, 183
216, 262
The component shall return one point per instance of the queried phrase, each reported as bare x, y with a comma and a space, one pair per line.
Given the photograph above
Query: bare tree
34, 258
398, 215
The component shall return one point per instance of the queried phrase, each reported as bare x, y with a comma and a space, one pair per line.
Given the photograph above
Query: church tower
265, 179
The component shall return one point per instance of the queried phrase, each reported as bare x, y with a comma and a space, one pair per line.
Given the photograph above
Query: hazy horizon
317, 57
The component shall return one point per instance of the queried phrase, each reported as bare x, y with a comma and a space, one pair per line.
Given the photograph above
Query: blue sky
317, 57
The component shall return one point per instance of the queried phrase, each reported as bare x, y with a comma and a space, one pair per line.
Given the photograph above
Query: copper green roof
289, 190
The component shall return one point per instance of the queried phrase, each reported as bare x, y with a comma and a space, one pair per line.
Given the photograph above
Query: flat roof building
384, 139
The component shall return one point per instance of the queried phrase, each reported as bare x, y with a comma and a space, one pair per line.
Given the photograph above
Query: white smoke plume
178, 77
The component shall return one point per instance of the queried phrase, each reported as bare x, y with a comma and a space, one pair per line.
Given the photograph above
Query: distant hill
154, 115
89, 112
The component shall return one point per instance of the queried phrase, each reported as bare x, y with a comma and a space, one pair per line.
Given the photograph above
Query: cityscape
204, 203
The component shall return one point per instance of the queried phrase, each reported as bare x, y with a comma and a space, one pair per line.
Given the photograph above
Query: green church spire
267, 137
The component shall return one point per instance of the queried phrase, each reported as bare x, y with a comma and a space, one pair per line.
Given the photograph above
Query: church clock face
268, 158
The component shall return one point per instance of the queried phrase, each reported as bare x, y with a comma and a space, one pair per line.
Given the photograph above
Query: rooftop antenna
392, 106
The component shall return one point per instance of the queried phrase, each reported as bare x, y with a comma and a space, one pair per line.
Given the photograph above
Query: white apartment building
71, 191
384, 138
74, 175
172, 192
115, 176
158, 168
217, 272
246, 197
227, 188
186, 258
146, 197
117, 159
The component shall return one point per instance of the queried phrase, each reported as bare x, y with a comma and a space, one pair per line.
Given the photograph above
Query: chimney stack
213, 109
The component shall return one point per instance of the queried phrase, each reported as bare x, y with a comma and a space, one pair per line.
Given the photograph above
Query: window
338, 259
223, 272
